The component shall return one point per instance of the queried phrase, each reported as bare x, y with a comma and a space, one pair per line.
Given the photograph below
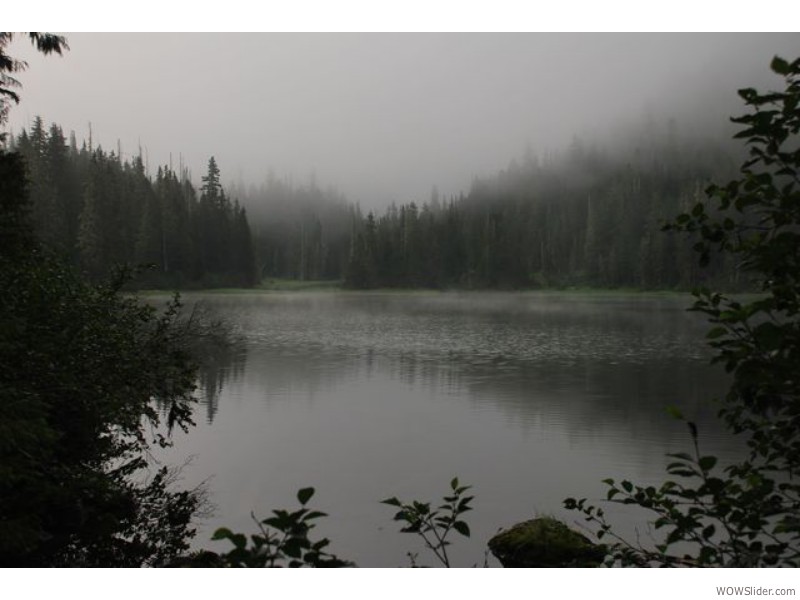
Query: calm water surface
528, 397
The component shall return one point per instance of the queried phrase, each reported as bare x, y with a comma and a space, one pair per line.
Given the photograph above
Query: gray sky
382, 116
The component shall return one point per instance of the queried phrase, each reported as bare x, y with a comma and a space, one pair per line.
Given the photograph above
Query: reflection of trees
218, 350
278, 371
587, 398
592, 366
221, 363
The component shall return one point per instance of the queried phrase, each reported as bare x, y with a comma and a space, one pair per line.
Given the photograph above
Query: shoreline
325, 287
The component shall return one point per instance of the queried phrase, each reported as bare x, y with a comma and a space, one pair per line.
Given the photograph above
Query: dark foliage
745, 514
283, 541
434, 525
97, 211
587, 218
81, 369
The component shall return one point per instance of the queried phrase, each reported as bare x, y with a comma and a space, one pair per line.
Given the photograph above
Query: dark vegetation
588, 218
745, 514
90, 378
81, 368
97, 211
301, 232
282, 541
433, 525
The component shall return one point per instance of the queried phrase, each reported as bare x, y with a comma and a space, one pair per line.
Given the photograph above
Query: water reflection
590, 363
221, 362
530, 397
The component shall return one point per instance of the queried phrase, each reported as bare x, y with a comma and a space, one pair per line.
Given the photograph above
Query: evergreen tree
98, 211
81, 366
244, 257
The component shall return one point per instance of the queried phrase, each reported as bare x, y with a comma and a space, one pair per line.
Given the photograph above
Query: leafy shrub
283, 541
434, 525
84, 370
746, 514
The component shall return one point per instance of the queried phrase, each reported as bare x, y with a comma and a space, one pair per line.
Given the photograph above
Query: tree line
82, 365
587, 218
99, 211
301, 231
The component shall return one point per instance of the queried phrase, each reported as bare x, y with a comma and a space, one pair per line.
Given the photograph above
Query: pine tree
91, 238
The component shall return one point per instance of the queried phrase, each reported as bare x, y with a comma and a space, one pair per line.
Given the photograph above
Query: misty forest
183, 346
587, 218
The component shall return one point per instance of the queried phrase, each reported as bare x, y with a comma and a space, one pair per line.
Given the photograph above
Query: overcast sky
381, 116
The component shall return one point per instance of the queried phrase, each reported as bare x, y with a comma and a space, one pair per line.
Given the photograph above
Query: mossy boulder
545, 542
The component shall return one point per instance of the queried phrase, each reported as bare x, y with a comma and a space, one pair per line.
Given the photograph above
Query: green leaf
716, 332
747, 93
462, 528
463, 505
682, 472
423, 508
454, 483
223, 533
391, 501
279, 522
293, 547
304, 495
780, 66
323, 543
707, 462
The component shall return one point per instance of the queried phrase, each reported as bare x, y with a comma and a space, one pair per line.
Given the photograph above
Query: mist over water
423, 162
530, 397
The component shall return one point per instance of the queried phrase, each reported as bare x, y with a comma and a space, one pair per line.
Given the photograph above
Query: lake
528, 397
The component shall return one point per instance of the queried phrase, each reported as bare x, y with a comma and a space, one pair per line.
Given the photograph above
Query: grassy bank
293, 285
268, 285
335, 289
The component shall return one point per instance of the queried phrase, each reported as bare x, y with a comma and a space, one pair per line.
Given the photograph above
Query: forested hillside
99, 211
587, 218
300, 231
